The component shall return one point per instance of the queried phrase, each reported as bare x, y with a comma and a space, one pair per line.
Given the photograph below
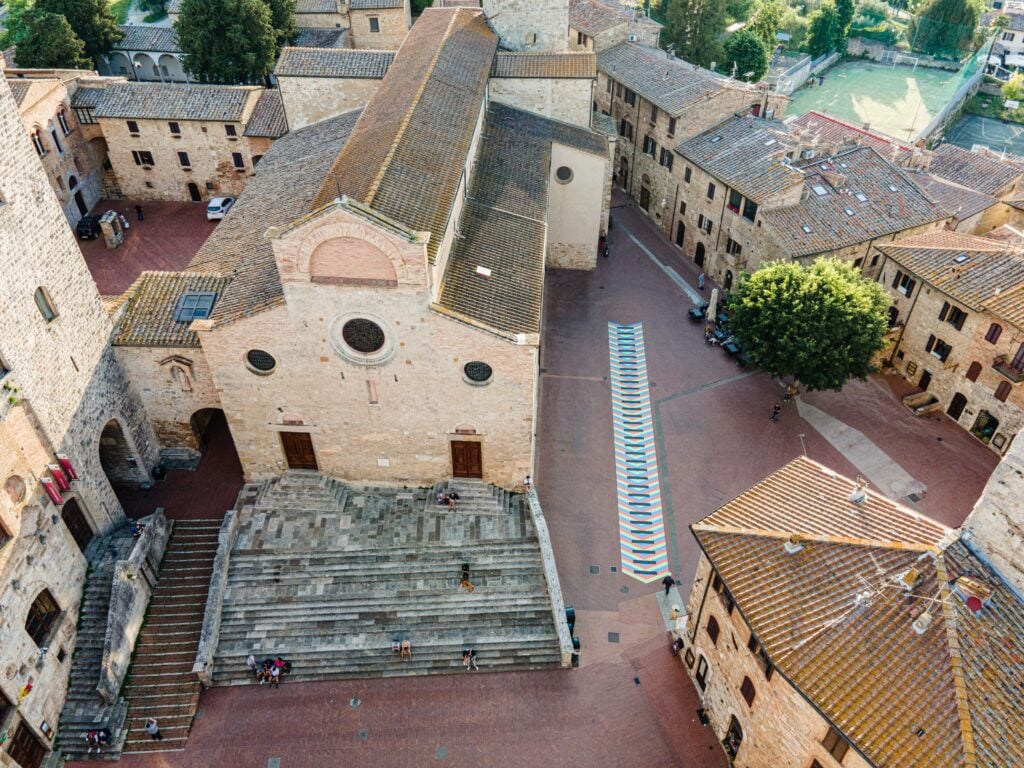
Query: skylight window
824, 166
892, 187
715, 139
769, 142
849, 211
483, 271
806, 229
961, 258
844, 165
861, 196
194, 305
819, 190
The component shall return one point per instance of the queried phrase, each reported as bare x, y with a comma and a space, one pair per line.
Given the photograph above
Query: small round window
260, 362
477, 372
564, 174
363, 335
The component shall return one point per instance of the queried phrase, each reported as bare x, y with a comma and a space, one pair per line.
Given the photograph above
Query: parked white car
218, 207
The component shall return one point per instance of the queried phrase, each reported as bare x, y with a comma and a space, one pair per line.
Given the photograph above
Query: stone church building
372, 305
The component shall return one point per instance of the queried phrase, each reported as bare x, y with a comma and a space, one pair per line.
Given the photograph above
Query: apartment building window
682, 208
581, 39
650, 147
1003, 391
142, 157
713, 630
711, 191
705, 224
238, 160
749, 210
687, 174
626, 129
994, 331
667, 158
133, 128
184, 160
671, 126
618, 90
1008, 37
835, 744
654, 115
903, 283
748, 691
732, 247
41, 617
374, 24
37, 142
953, 315
56, 142
735, 201
630, 98
62, 118
230, 130
608, 85
175, 129
45, 304
702, 672
755, 647
974, 371
938, 348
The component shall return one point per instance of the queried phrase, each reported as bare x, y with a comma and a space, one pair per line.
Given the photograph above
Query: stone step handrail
210, 632
551, 575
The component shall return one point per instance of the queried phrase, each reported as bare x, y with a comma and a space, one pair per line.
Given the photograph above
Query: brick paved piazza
714, 440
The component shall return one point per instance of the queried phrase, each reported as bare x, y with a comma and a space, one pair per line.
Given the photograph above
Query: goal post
900, 58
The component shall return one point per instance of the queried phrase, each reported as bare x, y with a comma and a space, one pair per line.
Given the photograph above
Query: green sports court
897, 100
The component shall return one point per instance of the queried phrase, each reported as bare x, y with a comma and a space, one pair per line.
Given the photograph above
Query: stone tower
530, 25
55, 352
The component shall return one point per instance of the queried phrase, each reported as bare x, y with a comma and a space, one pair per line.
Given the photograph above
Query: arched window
37, 142
1003, 391
41, 617
45, 304
748, 692
974, 371
994, 331
713, 629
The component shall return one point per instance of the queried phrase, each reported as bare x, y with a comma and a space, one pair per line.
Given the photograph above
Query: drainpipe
636, 143
700, 609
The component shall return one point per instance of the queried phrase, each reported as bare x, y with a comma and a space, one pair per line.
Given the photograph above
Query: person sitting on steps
406, 650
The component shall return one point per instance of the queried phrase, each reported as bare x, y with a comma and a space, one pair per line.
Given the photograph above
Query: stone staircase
328, 576
160, 682
84, 710
111, 186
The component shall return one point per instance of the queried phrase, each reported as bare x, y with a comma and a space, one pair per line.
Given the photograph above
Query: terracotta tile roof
973, 170
670, 83
287, 179
592, 17
570, 64
987, 269
1008, 235
268, 118
157, 101
746, 153
87, 97
373, 5
146, 38
148, 319
317, 37
316, 6
333, 62
835, 621
834, 214
504, 223
956, 201
833, 131
405, 157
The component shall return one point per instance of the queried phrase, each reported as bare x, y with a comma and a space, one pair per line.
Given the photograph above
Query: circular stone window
563, 174
478, 373
260, 362
363, 335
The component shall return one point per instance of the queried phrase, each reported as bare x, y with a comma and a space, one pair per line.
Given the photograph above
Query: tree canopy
91, 20
824, 29
766, 20
693, 29
944, 27
282, 19
47, 40
821, 323
235, 45
746, 56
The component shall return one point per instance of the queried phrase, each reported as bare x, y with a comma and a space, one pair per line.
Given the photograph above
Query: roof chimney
794, 544
922, 622
859, 495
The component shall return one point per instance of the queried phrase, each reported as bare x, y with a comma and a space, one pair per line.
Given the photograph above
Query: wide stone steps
160, 682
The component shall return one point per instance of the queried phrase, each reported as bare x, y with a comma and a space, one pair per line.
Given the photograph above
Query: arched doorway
985, 426
698, 256
645, 193
733, 738
680, 234
194, 193
117, 458
74, 518
624, 174
728, 280
894, 315
956, 406
204, 422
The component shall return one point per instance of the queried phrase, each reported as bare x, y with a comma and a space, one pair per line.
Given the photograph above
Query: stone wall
133, 584
312, 99
210, 632
566, 100
781, 728
547, 554
392, 26
529, 25
210, 153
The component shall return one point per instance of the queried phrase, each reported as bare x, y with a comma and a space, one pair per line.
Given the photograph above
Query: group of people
403, 648
269, 671
97, 739
469, 659
447, 499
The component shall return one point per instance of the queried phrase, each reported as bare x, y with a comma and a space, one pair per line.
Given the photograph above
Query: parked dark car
88, 227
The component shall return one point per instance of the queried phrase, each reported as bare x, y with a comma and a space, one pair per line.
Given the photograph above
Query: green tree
795, 25
746, 56
1012, 89
823, 30
766, 20
234, 45
822, 323
49, 41
844, 17
738, 10
418, 6
91, 20
944, 27
693, 30
282, 19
